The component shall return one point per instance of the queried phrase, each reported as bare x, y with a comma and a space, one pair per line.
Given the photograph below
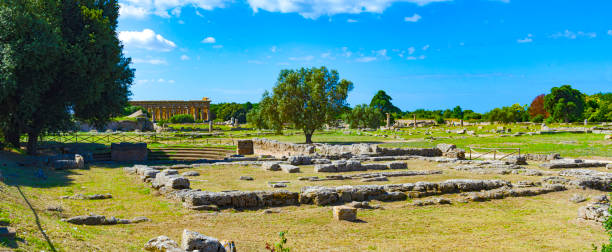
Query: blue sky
432, 54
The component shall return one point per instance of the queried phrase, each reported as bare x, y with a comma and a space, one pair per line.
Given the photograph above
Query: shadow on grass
10, 242
51, 247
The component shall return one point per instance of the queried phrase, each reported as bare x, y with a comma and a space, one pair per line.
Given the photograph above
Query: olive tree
307, 98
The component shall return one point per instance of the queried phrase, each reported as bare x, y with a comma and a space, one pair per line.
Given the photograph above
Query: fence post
494, 152
76, 138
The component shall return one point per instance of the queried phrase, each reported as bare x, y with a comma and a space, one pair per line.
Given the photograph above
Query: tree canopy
382, 101
60, 60
364, 116
564, 103
307, 98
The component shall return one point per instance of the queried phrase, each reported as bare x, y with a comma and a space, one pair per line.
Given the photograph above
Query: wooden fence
107, 139
497, 152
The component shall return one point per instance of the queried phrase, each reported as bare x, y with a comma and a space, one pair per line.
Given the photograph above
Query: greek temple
161, 110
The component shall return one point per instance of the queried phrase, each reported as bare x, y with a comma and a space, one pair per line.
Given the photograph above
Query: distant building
161, 110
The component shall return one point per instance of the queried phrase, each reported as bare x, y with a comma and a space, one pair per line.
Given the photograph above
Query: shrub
182, 118
279, 246
538, 118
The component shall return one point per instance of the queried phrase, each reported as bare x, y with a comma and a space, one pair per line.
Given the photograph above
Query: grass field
545, 222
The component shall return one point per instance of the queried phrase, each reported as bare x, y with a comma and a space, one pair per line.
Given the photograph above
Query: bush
182, 118
279, 246
538, 118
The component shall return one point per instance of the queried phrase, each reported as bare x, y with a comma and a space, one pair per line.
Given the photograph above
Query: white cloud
422, 57
346, 52
146, 39
315, 9
610, 32
129, 11
217, 46
425, 47
150, 61
171, 81
365, 59
304, 58
414, 18
185, 57
411, 50
273, 49
528, 39
350, 20
168, 8
573, 35
209, 40
326, 55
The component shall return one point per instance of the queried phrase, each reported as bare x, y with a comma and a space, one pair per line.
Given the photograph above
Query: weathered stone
325, 168
196, 241
346, 213
577, 198
397, 165
94, 219
162, 243
289, 168
245, 147
170, 180
271, 166
299, 160
446, 147
375, 179
246, 178
191, 174
601, 199
375, 166
597, 212
517, 160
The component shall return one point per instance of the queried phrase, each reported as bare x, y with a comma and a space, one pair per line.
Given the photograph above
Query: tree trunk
32, 142
12, 137
308, 136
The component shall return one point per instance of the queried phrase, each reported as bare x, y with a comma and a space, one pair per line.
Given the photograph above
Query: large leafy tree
364, 116
307, 98
598, 107
60, 60
537, 107
564, 104
382, 101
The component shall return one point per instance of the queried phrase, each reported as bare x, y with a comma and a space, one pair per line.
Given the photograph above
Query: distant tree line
562, 104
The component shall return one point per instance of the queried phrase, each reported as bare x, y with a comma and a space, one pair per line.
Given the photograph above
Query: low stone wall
542, 157
354, 165
262, 146
320, 195
571, 163
343, 150
235, 199
424, 152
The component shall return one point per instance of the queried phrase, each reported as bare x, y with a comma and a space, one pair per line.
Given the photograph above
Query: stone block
245, 147
196, 241
346, 213
289, 168
129, 152
271, 166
